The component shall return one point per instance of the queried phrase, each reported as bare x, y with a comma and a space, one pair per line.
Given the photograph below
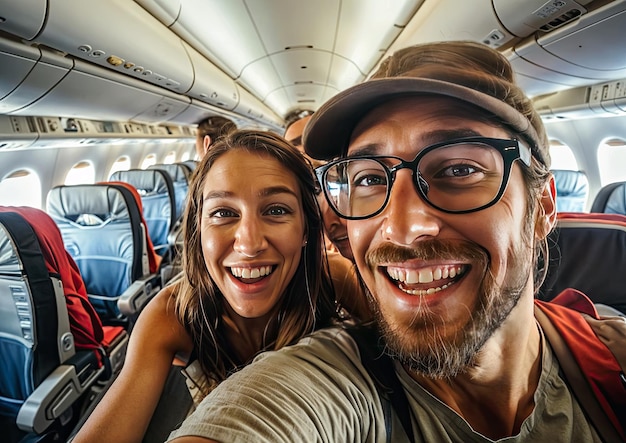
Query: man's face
441, 283
334, 227
294, 132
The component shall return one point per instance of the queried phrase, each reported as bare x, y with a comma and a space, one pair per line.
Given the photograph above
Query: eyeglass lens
456, 177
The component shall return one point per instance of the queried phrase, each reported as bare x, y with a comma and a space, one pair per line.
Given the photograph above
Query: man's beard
420, 346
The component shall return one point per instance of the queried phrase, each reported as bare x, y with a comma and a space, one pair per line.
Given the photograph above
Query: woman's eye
222, 213
278, 210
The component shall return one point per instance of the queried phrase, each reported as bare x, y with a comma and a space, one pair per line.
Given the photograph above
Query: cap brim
327, 134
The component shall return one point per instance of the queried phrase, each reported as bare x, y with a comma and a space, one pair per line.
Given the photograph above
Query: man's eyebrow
429, 138
441, 135
296, 141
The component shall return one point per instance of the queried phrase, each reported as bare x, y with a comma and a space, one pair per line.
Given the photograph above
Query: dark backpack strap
576, 380
381, 369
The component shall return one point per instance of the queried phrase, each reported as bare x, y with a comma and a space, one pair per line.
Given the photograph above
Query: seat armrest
137, 295
58, 392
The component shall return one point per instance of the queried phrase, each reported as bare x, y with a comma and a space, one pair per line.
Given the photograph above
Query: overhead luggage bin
576, 54
121, 36
23, 18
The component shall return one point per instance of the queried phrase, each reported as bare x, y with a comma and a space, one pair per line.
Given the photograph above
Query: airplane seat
180, 178
611, 199
572, 190
156, 189
53, 348
165, 270
102, 231
587, 251
191, 164
154, 260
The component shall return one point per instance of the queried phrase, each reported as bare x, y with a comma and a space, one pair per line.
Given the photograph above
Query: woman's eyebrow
265, 192
273, 190
218, 194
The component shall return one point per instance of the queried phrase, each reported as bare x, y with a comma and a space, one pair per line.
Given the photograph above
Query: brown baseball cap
468, 71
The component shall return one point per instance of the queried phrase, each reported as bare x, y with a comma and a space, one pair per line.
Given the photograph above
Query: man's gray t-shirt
318, 391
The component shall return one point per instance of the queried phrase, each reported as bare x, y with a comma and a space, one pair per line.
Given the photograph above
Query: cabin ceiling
257, 61
295, 55
290, 54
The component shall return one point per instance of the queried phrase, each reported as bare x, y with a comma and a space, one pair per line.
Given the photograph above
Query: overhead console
607, 99
523, 18
115, 60
20, 132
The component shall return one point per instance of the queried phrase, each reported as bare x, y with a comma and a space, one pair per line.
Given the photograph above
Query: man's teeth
251, 272
408, 277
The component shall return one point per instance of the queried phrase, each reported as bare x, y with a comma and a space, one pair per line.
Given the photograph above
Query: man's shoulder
329, 357
328, 343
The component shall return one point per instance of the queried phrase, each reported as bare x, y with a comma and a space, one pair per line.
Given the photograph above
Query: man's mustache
427, 250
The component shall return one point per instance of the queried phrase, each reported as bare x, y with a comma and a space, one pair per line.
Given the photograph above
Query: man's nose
407, 217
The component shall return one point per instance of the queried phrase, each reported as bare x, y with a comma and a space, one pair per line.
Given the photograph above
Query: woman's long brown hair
308, 302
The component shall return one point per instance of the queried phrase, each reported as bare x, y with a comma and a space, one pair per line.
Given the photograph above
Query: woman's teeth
261, 271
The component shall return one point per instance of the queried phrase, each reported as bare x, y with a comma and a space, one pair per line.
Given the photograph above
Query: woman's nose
250, 240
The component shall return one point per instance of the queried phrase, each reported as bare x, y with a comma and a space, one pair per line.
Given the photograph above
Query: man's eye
461, 170
370, 180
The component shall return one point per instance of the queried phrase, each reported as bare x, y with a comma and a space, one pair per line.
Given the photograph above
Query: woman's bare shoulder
158, 321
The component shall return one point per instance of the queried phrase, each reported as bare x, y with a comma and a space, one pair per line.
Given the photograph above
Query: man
334, 226
209, 130
443, 175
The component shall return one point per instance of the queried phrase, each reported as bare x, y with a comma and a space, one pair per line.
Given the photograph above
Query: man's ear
546, 211
206, 142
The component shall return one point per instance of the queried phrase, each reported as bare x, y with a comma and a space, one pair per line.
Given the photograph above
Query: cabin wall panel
584, 136
42, 162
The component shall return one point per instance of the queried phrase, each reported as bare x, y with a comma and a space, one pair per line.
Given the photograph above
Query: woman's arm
348, 291
124, 413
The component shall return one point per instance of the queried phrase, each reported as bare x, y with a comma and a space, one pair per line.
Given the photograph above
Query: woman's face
252, 230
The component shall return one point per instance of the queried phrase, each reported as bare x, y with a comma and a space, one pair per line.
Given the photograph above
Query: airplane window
81, 173
611, 161
21, 188
186, 156
148, 161
562, 156
170, 158
121, 164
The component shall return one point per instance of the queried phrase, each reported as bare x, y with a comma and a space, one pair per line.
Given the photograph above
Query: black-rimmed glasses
456, 176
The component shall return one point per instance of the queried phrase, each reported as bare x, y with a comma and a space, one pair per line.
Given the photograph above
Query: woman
255, 278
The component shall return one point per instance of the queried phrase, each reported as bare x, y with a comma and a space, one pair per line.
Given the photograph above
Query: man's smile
428, 280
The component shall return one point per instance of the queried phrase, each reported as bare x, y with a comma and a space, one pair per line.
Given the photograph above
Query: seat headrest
87, 204
616, 202
146, 181
572, 190
175, 170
